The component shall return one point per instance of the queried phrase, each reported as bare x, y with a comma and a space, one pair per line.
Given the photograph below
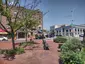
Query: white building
52, 28
70, 30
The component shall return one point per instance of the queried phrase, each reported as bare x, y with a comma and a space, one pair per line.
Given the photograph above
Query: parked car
3, 38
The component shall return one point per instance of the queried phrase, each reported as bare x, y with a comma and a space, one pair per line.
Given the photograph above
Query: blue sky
60, 12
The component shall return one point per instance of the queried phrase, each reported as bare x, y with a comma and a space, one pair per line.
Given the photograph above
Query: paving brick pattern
37, 55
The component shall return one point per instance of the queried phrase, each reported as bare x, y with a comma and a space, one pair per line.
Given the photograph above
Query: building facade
21, 33
70, 30
52, 29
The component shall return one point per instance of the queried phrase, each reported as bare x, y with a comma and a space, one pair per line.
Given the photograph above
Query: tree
30, 22
14, 20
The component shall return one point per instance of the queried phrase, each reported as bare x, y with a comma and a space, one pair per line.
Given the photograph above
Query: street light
43, 23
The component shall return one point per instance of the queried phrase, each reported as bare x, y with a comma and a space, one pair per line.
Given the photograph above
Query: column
61, 32
77, 31
64, 32
82, 31
68, 32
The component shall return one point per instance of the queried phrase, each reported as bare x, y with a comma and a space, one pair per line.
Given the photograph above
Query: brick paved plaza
35, 56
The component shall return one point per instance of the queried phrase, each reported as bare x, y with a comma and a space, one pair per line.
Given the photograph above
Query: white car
3, 38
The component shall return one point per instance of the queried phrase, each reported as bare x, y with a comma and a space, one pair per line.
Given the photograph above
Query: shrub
19, 50
60, 40
24, 44
83, 42
71, 58
72, 44
2, 51
10, 52
82, 54
70, 52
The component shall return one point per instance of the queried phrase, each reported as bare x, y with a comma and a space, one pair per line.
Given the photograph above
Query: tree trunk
26, 33
13, 41
26, 37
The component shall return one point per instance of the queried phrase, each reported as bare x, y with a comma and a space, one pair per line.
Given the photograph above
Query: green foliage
71, 58
0, 2
83, 42
72, 44
82, 54
2, 51
9, 52
24, 44
60, 40
71, 52
19, 50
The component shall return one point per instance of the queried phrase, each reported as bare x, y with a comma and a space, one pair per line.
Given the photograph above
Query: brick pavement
38, 55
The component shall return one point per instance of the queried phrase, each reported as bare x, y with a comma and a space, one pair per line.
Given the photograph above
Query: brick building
20, 33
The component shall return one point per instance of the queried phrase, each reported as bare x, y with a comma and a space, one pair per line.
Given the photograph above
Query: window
75, 29
70, 30
80, 30
66, 30
63, 29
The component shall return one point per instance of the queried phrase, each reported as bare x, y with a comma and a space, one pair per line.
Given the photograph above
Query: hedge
60, 40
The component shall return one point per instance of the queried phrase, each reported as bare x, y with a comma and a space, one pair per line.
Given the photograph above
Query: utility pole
43, 22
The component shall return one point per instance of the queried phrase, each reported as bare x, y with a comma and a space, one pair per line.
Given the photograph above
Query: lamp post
43, 14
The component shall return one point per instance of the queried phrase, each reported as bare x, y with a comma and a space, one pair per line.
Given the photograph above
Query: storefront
3, 32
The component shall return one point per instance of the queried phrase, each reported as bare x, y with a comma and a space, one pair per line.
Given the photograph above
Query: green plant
60, 40
82, 54
71, 58
83, 42
71, 52
2, 51
19, 50
72, 44
24, 44
10, 52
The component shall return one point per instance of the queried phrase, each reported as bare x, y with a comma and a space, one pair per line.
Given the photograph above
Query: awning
2, 31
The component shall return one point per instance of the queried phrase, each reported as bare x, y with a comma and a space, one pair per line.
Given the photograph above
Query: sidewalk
38, 55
